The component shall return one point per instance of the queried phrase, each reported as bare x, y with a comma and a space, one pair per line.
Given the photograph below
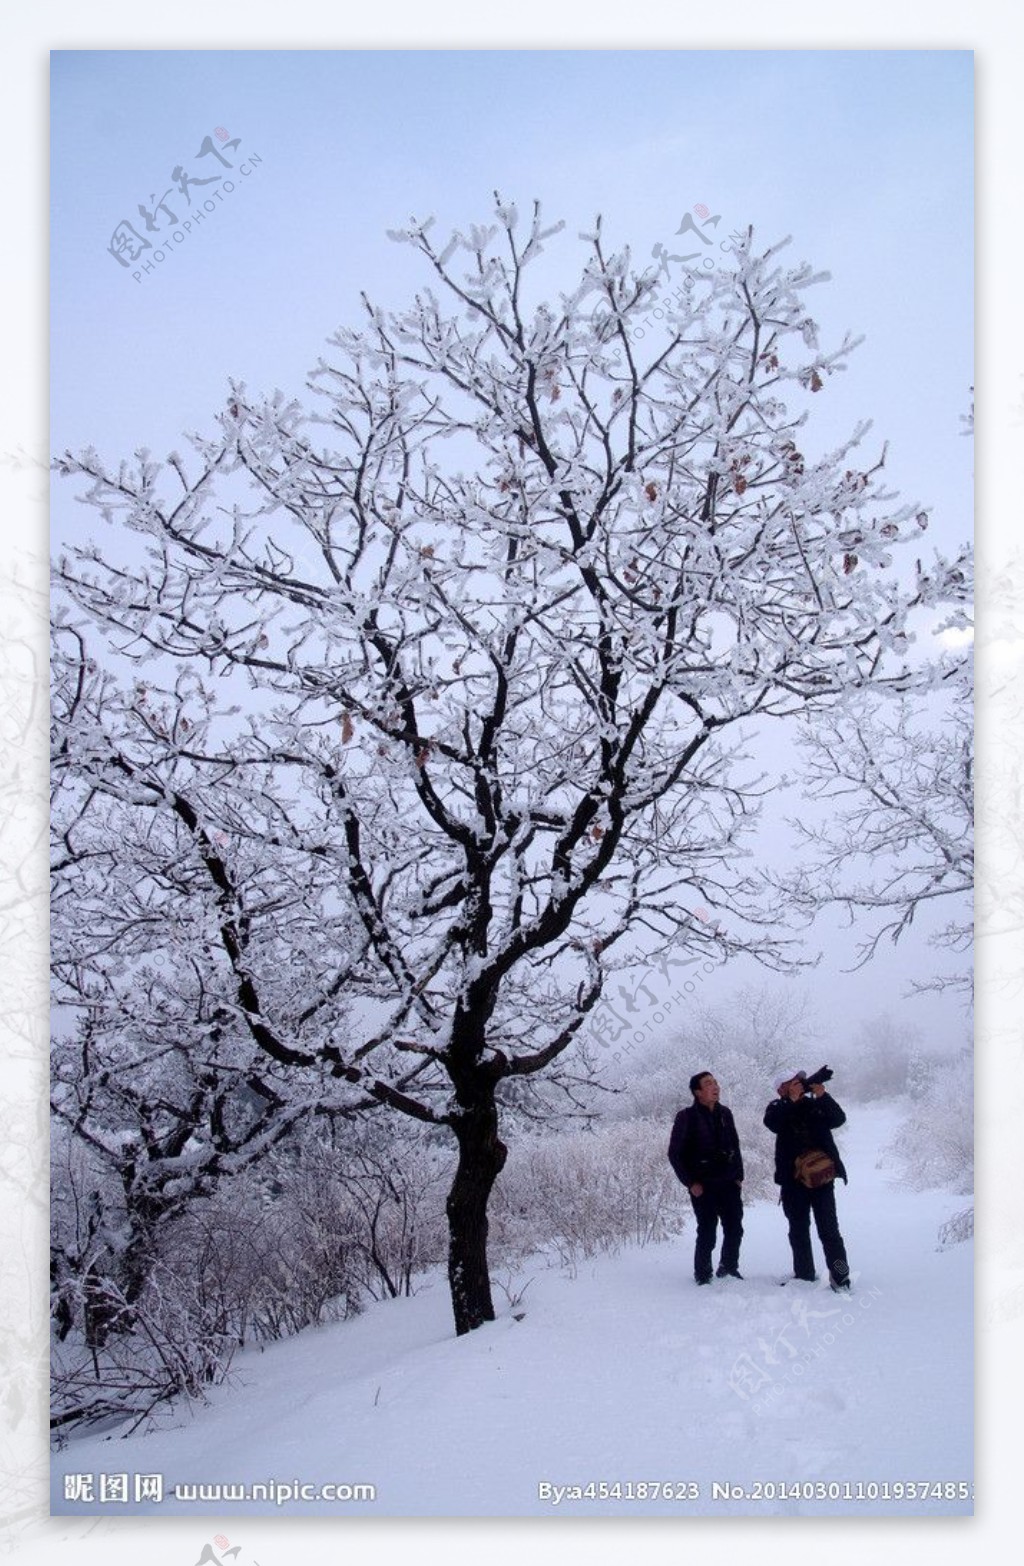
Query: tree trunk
482, 1157
103, 1309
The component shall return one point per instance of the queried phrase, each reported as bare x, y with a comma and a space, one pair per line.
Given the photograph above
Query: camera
823, 1074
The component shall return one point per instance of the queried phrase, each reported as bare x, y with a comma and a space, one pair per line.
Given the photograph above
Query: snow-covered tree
934, 1145
896, 778
882, 1058
898, 831
384, 733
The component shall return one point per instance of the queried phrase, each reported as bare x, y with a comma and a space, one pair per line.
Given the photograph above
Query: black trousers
798, 1203
720, 1199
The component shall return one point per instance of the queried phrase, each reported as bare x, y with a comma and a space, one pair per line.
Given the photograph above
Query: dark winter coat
808, 1124
704, 1146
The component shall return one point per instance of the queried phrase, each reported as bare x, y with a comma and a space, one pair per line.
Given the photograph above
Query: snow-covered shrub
957, 1229
94, 1248
394, 1187
169, 1343
268, 1266
322, 1223
921, 1068
329, 1220
934, 1145
578, 1193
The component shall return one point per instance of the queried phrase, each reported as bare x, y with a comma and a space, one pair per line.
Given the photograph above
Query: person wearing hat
802, 1119
704, 1151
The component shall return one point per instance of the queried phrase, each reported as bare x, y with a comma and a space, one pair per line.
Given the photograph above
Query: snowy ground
624, 1375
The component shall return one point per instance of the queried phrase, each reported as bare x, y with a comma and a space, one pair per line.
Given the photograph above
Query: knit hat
789, 1076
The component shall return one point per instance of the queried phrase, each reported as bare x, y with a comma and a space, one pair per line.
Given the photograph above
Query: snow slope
623, 1375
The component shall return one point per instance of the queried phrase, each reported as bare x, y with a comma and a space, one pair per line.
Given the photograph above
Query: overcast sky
864, 157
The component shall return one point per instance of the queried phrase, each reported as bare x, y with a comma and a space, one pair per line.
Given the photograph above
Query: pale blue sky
864, 156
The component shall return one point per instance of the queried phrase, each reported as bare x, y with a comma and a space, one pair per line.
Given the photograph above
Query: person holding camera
704, 1151
807, 1165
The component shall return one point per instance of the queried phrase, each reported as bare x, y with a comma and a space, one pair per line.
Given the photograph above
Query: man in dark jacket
704, 1151
803, 1118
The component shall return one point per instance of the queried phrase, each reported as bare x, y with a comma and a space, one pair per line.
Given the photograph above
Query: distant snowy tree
1000, 888
882, 1058
934, 1145
897, 777
378, 731
898, 834
743, 1041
